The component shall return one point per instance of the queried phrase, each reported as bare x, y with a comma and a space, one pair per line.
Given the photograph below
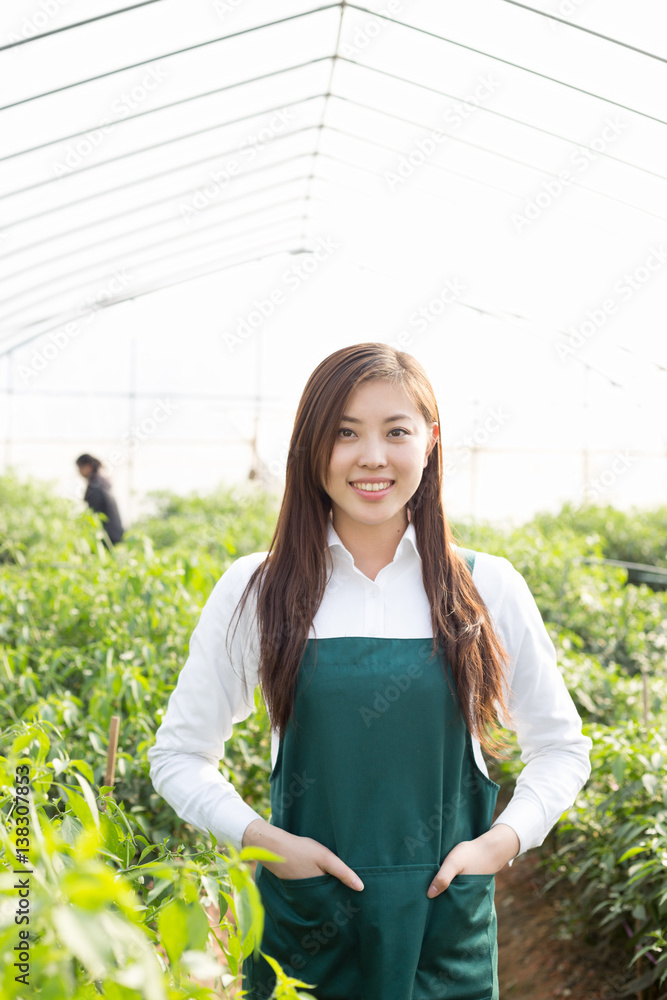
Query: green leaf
159, 886
110, 834
233, 952
211, 888
197, 925
70, 829
172, 924
85, 769
259, 854
631, 853
618, 769
96, 743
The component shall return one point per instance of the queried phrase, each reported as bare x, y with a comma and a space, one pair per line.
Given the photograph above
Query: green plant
87, 633
89, 914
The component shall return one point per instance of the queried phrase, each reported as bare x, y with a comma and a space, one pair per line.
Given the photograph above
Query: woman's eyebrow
388, 420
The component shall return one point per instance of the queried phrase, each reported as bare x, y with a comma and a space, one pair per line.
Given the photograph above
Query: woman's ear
431, 444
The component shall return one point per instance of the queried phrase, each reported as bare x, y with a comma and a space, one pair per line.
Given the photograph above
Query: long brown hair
292, 579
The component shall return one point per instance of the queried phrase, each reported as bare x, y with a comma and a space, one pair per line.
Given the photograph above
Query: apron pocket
459, 956
308, 928
389, 941
413, 947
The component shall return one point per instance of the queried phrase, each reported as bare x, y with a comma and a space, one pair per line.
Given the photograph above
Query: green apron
377, 764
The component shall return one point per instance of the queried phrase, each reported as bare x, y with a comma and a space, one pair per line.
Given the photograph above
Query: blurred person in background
98, 496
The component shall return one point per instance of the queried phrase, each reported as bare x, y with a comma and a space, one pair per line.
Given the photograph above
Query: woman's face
384, 439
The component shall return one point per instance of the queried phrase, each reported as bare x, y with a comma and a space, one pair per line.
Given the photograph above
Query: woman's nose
372, 457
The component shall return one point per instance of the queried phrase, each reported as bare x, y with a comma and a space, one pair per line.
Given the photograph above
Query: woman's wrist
259, 833
503, 841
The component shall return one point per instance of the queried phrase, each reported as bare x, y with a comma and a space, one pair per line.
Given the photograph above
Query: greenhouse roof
171, 140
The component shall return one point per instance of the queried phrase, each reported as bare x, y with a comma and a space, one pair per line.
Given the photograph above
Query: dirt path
537, 957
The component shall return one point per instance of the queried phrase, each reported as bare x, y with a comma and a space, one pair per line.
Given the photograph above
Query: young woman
388, 658
98, 496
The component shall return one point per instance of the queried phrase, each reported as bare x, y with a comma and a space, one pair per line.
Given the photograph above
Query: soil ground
538, 956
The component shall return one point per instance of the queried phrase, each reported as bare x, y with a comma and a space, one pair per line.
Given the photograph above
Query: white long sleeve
555, 753
208, 699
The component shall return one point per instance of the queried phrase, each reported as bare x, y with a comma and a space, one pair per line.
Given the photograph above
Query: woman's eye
400, 430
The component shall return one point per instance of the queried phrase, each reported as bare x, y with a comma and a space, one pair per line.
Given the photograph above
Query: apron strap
469, 555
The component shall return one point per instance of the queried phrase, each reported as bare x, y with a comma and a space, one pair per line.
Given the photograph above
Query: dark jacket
98, 496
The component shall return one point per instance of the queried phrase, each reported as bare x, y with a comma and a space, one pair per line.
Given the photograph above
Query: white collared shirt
210, 694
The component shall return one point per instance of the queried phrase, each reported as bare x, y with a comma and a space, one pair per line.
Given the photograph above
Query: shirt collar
406, 546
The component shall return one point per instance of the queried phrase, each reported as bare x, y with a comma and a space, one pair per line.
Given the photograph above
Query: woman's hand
304, 857
484, 855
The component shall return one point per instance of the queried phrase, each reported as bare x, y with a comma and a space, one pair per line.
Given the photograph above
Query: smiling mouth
371, 487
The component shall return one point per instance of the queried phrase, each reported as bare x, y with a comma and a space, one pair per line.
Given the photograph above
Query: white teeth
372, 487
